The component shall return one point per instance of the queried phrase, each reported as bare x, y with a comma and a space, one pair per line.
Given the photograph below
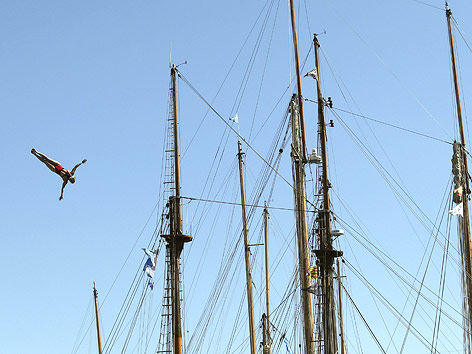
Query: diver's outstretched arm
62, 190
75, 167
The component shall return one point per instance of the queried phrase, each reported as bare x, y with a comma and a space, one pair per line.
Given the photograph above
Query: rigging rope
442, 279
401, 192
87, 314
405, 87
384, 123
229, 125
196, 341
376, 252
363, 319
229, 72
115, 280
238, 134
392, 182
388, 305
426, 4
464, 38
440, 213
239, 204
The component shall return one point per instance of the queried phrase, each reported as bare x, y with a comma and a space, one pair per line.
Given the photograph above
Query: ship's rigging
318, 238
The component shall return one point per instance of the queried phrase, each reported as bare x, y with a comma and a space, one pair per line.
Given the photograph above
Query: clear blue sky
90, 80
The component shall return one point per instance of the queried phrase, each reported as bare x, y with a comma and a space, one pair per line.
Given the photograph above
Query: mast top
448, 10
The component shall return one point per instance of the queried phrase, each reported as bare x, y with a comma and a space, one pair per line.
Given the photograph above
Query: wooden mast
299, 80
326, 252
301, 226
252, 333
264, 334
97, 319
176, 238
465, 227
266, 319
298, 160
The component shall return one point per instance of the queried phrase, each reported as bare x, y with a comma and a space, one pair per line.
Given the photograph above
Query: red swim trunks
58, 168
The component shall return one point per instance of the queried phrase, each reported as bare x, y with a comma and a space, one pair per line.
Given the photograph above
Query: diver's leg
50, 163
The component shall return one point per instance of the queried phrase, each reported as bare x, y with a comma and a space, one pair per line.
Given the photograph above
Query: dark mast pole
326, 253
176, 239
465, 227
266, 319
97, 319
247, 254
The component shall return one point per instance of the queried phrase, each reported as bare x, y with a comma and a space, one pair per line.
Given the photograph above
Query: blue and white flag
148, 253
149, 272
287, 346
150, 265
152, 259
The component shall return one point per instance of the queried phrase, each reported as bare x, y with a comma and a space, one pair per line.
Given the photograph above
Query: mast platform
181, 238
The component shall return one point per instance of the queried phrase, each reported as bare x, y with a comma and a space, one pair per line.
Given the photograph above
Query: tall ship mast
298, 170
325, 253
461, 196
175, 239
